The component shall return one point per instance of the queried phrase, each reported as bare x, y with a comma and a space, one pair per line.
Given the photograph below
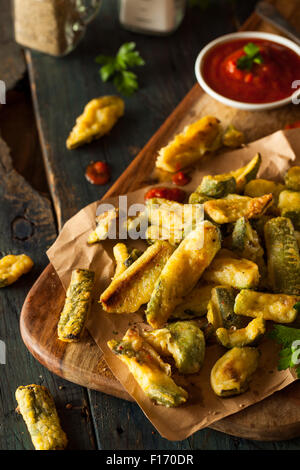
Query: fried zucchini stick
77, 305
148, 369
182, 271
37, 407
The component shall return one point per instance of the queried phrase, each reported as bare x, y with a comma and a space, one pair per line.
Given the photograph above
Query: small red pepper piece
97, 173
181, 179
173, 194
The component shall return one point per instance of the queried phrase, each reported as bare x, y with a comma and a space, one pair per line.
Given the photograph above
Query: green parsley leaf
289, 338
126, 82
253, 55
251, 49
116, 68
107, 71
128, 57
297, 306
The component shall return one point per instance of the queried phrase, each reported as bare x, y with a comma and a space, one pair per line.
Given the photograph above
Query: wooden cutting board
275, 418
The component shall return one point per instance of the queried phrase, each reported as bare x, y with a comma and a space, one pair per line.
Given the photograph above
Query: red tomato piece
97, 173
173, 194
181, 179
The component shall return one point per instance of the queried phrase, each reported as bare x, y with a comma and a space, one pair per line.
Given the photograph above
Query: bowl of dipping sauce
250, 70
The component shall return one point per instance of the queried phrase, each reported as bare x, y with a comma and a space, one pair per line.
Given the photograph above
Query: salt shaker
52, 26
158, 17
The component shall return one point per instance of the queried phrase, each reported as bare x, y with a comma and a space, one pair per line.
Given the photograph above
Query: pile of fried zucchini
218, 278
215, 280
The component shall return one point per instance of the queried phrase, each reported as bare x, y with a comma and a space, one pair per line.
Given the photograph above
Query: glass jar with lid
52, 26
158, 17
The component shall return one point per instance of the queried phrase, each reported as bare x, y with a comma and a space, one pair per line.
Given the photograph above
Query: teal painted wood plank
27, 226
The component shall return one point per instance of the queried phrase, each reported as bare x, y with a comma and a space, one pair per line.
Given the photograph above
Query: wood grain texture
17, 118
12, 61
27, 226
170, 74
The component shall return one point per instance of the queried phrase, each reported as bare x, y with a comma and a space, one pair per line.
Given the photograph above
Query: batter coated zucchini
233, 372
283, 256
194, 304
245, 241
106, 224
198, 198
238, 273
233, 206
259, 187
37, 407
246, 173
292, 178
182, 272
132, 257
98, 118
148, 369
276, 307
77, 305
232, 137
134, 286
120, 254
190, 145
217, 186
155, 232
289, 206
248, 336
12, 267
173, 217
184, 341
221, 309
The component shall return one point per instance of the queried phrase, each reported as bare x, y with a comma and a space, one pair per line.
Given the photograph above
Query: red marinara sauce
97, 173
173, 194
264, 83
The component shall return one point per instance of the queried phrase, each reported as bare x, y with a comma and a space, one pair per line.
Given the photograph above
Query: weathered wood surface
120, 424
27, 226
12, 62
17, 119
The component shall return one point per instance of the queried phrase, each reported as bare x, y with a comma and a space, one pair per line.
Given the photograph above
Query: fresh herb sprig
252, 56
117, 67
289, 338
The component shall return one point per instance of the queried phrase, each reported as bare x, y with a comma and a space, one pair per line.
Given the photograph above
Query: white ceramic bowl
241, 104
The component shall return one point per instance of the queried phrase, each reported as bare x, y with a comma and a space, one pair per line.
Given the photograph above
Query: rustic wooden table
36, 204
